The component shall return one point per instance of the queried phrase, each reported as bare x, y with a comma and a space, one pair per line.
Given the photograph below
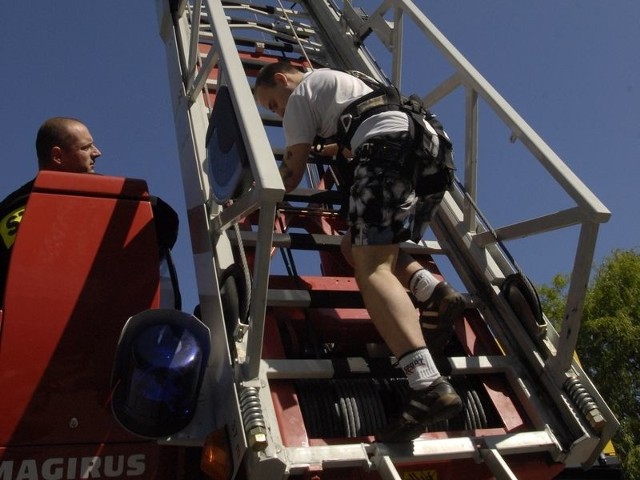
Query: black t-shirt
12, 208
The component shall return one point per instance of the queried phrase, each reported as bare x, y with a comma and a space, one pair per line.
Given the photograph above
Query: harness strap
370, 103
385, 98
380, 100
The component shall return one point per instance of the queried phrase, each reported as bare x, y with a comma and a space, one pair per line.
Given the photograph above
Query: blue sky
569, 67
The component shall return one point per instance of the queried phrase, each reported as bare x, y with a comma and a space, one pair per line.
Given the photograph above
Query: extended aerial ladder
298, 381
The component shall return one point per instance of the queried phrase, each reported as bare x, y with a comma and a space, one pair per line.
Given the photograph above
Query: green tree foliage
609, 342
554, 298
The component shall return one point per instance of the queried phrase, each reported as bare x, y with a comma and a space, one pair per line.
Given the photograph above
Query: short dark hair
54, 131
266, 73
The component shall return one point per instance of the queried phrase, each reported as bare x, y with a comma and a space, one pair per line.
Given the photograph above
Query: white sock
422, 284
419, 368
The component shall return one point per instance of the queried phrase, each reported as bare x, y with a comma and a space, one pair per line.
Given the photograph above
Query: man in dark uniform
66, 145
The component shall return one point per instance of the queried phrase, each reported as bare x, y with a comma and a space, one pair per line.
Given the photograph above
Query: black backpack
385, 98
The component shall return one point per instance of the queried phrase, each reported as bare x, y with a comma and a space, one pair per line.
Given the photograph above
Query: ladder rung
329, 456
507, 444
424, 450
319, 241
313, 298
325, 368
308, 368
314, 196
297, 241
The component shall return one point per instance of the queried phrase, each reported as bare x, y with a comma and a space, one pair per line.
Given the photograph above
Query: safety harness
422, 151
382, 98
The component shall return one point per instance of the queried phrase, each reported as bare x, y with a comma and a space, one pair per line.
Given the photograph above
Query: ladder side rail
575, 298
590, 211
218, 402
518, 339
589, 205
339, 45
193, 45
477, 266
397, 39
594, 209
264, 170
190, 120
268, 183
470, 157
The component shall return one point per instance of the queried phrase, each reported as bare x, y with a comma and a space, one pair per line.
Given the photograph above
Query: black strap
382, 99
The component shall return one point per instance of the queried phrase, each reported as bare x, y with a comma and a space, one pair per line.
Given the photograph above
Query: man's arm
331, 150
293, 165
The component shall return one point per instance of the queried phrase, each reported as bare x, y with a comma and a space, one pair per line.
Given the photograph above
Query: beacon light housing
158, 369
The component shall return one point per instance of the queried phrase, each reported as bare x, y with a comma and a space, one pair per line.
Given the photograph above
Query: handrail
588, 212
268, 188
469, 77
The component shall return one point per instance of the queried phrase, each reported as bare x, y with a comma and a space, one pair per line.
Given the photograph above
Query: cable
295, 34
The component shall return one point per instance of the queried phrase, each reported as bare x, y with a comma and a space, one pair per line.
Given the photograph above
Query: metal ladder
215, 48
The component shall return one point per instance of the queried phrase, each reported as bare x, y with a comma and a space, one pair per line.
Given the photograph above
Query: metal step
385, 457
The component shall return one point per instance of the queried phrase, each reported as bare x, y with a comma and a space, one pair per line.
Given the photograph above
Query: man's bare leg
386, 299
440, 304
432, 397
405, 266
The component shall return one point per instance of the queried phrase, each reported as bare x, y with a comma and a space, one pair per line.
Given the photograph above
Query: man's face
275, 98
79, 155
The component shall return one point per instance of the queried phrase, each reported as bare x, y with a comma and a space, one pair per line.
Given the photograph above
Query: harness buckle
365, 149
345, 121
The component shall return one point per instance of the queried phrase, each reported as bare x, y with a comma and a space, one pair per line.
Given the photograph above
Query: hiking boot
433, 404
439, 314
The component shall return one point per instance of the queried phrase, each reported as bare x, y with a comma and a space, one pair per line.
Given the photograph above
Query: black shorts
383, 206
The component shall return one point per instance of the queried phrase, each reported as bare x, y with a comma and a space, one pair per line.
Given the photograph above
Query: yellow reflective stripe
9, 226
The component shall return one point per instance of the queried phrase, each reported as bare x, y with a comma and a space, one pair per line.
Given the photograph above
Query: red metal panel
125, 460
477, 340
283, 393
91, 186
84, 261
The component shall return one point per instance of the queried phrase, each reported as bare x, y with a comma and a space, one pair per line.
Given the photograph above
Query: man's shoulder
327, 82
324, 74
16, 197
